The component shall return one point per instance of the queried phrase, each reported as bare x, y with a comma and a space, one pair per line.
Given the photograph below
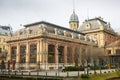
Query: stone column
9, 53
38, 51
27, 56
46, 55
41, 51
112, 50
56, 55
9, 57
38, 54
18, 57
65, 54
45, 51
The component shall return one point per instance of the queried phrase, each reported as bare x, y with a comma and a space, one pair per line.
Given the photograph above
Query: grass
102, 76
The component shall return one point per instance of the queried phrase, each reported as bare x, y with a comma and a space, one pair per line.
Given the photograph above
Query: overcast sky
16, 12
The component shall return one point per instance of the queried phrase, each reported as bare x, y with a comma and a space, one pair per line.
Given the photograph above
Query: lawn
102, 76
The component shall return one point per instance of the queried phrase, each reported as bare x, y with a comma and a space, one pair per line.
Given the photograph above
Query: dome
74, 17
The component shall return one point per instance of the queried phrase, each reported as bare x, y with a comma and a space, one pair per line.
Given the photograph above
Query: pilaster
27, 55
9, 53
56, 53
38, 51
41, 51
18, 56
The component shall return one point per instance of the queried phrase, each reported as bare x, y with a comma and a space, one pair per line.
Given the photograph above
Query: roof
94, 24
74, 17
114, 44
5, 29
54, 25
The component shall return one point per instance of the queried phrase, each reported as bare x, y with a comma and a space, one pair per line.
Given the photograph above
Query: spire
87, 13
74, 16
74, 6
74, 21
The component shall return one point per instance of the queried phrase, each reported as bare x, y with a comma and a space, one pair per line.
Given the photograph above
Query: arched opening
51, 53
22, 54
69, 55
33, 55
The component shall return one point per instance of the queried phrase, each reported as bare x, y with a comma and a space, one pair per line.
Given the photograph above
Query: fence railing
52, 73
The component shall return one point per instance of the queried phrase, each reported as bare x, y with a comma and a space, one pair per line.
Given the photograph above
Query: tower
74, 21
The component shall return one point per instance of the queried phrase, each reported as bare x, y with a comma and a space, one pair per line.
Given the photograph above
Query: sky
17, 13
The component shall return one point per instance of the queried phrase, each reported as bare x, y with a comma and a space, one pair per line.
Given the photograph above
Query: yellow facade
3, 47
44, 49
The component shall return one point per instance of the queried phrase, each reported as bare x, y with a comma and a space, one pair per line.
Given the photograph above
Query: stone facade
46, 46
99, 30
113, 50
3, 47
4, 30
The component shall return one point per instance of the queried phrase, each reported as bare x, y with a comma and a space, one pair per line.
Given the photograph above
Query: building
99, 30
4, 30
106, 37
43, 45
113, 50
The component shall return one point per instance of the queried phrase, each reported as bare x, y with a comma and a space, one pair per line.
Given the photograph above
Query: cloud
17, 12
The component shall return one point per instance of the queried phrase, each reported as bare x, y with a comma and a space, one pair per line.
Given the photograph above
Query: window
22, 49
51, 53
22, 54
74, 24
88, 26
118, 51
0, 50
109, 52
3, 39
33, 51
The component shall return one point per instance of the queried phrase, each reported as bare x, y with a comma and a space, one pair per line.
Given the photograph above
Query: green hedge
74, 68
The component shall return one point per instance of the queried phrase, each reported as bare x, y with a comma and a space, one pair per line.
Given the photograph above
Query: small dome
74, 17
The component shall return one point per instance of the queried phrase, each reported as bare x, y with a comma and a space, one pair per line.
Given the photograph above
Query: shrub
84, 76
113, 67
104, 67
94, 67
74, 68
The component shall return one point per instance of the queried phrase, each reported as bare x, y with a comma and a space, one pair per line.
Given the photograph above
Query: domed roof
74, 17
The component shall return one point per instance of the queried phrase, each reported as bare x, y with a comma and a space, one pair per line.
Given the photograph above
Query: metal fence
52, 73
